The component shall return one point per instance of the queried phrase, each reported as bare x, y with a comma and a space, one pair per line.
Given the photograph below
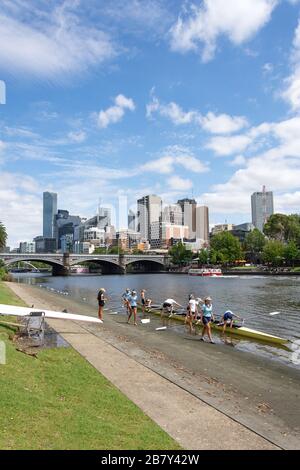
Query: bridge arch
58, 268
145, 264
108, 266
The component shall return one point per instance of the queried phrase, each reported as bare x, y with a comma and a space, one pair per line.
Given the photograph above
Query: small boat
205, 272
26, 311
238, 330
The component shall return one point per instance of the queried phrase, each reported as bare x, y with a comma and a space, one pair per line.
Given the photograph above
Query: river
251, 297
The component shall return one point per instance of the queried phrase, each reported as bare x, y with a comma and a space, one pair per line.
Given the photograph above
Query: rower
228, 318
207, 317
125, 297
168, 306
192, 312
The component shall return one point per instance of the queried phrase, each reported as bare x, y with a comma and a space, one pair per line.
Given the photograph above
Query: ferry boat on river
205, 272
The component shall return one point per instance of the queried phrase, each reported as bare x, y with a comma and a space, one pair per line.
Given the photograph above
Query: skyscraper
172, 214
149, 211
262, 206
188, 207
49, 211
202, 223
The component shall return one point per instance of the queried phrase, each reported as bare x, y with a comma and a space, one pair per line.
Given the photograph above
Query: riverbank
259, 395
59, 401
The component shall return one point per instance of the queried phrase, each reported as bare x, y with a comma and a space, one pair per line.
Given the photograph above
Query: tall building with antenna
262, 206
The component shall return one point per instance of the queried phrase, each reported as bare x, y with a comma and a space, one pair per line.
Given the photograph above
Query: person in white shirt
168, 306
192, 312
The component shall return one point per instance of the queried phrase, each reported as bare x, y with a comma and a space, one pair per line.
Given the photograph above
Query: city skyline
151, 98
151, 215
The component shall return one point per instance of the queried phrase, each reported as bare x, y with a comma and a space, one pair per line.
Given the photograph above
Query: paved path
194, 424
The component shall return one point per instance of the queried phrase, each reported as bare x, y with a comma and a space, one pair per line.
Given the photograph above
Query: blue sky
109, 99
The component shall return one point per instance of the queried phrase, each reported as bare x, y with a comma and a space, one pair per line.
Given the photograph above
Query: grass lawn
59, 401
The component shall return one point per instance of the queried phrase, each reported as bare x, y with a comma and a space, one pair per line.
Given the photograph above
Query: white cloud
224, 146
211, 122
164, 165
172, 111
223, 123
202, 26
20, 207
115, 113
179, 184
277, 167
50, 42
239, 160
175, 156
291, 94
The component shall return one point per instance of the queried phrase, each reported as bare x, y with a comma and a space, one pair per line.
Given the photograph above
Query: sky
112, 100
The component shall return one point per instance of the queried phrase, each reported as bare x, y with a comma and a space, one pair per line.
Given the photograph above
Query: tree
180, 255
275, 228
203, 256
273, 252
226, 248
100, 251
255, 242
292, 228
291, 252
3, 235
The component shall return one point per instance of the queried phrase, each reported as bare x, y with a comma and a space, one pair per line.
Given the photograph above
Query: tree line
278, 245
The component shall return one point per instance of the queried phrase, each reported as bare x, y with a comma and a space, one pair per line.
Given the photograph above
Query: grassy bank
59, 401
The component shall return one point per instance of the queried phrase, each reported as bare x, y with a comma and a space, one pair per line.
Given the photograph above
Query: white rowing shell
24, 311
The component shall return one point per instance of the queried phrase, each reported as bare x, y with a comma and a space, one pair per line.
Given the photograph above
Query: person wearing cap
101, 302
207, 317
228, 318
133, 307
125, 298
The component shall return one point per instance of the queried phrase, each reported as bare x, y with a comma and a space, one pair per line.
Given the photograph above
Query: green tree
227, 247
180, 255
115, 250
3, 235
275, 228
273, 252
291, 252
255, 242
203, 256
292, 228
100, 251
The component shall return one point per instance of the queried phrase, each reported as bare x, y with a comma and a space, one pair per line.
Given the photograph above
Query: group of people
130, 301
198, 311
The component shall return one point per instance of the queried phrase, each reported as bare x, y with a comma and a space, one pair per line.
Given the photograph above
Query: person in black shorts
143, 300
101, 302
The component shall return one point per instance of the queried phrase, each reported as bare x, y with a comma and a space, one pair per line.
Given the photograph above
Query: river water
251, 297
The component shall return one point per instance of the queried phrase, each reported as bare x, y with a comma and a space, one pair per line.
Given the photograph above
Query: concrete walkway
194, 424
187, 419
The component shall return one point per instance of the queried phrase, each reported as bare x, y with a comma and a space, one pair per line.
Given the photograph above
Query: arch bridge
118, 264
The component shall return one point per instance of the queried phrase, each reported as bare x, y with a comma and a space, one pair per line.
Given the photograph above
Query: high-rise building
49, 211
202, 223
105, 212
65, 224
172, 214
131, 220
188, 207
262, 206
149, 211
